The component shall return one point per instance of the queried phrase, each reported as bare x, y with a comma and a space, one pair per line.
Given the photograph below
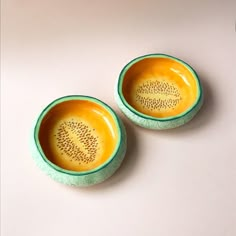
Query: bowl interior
159, 87
78, 135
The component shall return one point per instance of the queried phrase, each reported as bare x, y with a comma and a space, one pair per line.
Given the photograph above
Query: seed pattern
158, 95
77, 141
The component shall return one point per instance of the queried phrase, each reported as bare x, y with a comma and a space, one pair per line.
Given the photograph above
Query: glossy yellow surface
78, 135
159, 87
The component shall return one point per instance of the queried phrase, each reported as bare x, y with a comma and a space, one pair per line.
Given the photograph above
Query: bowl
79, 140
158, 91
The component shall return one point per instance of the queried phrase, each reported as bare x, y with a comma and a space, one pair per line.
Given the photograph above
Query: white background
180, 182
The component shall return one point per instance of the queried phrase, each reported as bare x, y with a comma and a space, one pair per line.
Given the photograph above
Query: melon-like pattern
79, 141
159, 91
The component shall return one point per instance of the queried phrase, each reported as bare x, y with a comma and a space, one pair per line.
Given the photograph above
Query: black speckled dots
169, 95
85, 150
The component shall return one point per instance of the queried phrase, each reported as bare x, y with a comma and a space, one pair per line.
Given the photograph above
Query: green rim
69, 98
127, 67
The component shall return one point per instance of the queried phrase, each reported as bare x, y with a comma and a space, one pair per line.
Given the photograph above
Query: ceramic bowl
79, 140
158, 91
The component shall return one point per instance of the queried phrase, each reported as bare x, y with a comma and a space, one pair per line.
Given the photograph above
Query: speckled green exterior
83, 178
150, 122
155, 124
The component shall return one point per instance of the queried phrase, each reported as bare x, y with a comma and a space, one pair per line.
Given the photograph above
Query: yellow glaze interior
159, 87
78, 135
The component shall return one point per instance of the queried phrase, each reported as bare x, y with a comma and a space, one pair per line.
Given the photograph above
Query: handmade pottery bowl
79, 140
158, 91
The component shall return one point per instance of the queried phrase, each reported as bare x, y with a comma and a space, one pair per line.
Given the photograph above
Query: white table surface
180, 182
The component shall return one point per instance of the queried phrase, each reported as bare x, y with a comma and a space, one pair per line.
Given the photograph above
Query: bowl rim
71, 98
148, 117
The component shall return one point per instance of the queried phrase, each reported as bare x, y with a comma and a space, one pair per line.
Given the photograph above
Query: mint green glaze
82, 178
151, 122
